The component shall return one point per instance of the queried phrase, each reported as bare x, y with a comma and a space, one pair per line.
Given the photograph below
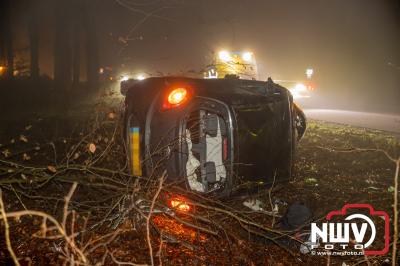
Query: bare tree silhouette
34, 41
8, 39
92, 49
62, 47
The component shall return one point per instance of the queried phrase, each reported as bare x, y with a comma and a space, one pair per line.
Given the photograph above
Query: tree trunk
3, 12
76, 60
34, 43
8, 41
91, 46
2, 51
62, 47
2, 41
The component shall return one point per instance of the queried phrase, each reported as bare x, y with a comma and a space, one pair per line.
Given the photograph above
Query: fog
353, 46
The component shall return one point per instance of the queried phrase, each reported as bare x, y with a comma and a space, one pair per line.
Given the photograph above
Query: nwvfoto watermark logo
336, 235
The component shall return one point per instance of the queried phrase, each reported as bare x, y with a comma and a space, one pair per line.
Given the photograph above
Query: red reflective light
180, 204
225, 155
175, 98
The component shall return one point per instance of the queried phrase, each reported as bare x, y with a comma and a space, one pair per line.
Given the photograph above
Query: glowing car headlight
247, 56
299, 91
124, 78
140, 77
300, 87
224, 56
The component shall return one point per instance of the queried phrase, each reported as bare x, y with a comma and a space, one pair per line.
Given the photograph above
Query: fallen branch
162, 178
60, 228
7, 230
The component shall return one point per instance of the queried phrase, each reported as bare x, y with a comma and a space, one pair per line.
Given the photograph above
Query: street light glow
309, 72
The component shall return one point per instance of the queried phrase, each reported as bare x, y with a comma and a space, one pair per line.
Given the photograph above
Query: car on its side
211, 134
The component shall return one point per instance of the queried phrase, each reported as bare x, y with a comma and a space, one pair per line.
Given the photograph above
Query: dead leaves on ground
111, 115
26, 157
92, 148
51, 169
23, 138
76, 155
6, 153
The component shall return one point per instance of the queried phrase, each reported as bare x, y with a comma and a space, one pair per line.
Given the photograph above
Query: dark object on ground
211, 134
296, 216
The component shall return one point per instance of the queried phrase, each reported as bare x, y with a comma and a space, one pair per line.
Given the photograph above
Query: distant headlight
224, 56
300, 87
140, 77
247, 56
124, 78
299, 91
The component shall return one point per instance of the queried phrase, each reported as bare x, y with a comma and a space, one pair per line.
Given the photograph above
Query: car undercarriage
228, 132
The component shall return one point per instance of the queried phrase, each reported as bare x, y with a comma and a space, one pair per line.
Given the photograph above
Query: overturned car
210, 135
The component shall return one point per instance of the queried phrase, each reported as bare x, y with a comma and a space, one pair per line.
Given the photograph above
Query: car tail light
175, 98
179, 204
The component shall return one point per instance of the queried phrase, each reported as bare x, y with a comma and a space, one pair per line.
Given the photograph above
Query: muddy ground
44, 152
